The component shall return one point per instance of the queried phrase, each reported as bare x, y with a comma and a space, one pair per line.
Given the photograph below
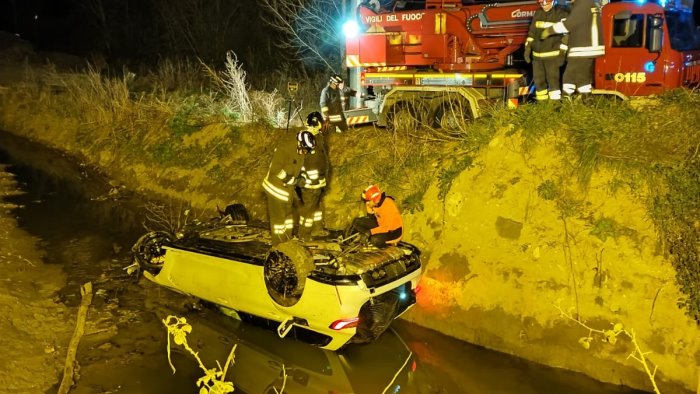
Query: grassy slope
524, 218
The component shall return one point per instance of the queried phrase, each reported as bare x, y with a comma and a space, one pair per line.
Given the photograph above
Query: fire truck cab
649, 48
436, 62
440, 62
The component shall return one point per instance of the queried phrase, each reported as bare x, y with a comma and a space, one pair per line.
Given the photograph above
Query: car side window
628, 32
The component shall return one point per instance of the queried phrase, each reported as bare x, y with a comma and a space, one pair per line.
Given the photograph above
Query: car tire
238, 213
285, 269
148, 250
375, 317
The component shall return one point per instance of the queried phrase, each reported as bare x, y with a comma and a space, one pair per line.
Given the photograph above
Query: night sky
49, 24
139, 29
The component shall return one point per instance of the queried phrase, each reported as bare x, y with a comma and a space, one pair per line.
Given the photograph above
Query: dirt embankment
514, 249
35, 328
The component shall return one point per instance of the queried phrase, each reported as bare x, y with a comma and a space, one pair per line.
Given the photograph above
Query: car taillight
344, 323
414, 366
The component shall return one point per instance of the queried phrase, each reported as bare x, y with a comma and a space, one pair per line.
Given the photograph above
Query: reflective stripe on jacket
553, 45
584, 28
285, 168
316, 165
331, 103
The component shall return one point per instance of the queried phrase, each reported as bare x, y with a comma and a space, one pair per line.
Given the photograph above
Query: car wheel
238, 213
375, 317
148, 250
286, 267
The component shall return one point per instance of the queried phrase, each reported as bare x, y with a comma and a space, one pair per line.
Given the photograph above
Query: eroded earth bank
520, 255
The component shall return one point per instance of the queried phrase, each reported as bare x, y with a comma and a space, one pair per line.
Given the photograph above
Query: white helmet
306, 141
335, 78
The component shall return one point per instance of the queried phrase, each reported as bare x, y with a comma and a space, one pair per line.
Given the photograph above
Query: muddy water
88, 226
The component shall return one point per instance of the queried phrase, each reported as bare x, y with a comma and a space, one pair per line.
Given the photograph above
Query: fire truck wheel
148, 250
404, 116
452, 116
285, 269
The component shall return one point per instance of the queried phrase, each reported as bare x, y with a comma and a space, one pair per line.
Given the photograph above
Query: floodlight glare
350, 28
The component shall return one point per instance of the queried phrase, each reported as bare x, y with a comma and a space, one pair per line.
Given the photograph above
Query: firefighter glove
363, 236
528, 54
326, 126
547, 32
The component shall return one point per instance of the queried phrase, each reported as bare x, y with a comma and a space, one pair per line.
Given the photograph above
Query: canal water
88, 226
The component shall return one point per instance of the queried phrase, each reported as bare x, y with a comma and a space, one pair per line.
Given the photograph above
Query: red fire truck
440, 61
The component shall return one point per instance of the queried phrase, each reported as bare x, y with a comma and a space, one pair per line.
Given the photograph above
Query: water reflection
385, 366
67, 193
448, 365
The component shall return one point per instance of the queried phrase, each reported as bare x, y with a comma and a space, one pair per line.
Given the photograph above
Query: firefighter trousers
364, 224
281, 219
578, 75
545, 73
310, 212
338, 121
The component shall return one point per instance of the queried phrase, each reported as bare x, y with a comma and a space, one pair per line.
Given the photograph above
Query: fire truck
440, 62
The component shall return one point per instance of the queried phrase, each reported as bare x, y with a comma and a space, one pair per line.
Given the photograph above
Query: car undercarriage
338, 288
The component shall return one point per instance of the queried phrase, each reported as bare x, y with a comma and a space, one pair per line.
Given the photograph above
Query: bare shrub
168, 217
176, 75
232, 84
298, 104
311, 29
267, 107
99, 99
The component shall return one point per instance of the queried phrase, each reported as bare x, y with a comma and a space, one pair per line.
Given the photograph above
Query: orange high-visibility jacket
387, 214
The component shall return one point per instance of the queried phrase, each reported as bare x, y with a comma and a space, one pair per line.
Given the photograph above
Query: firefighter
583, 26
281, 179
382, 224
314, 172
332, 102
546, 55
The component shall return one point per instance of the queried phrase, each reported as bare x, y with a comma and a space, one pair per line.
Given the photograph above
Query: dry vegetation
197, 127
653, 144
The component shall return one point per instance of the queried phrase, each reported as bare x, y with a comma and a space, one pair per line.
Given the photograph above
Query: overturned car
329, 292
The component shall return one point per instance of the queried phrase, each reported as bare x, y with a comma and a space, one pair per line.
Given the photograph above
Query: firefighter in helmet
383, 223
281, 179
314, 172
583, 25
333, 99
546, 55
